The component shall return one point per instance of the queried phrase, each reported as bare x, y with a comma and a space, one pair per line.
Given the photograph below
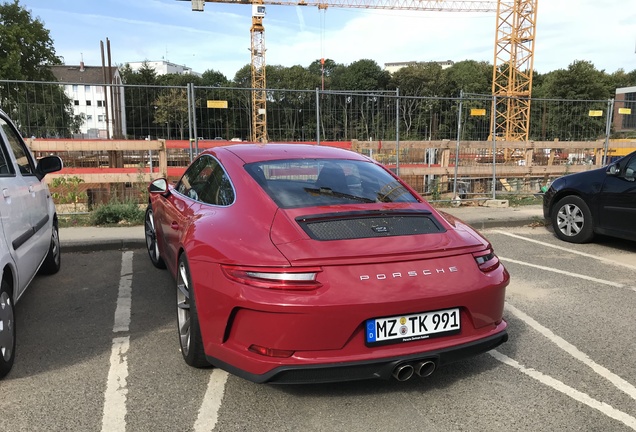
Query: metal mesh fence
444, 147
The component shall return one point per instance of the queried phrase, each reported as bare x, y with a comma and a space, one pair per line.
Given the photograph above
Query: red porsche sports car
303, 264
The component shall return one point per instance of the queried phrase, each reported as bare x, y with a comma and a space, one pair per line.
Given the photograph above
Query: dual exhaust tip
405, 371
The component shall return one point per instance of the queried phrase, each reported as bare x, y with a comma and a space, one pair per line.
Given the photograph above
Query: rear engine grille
358, 226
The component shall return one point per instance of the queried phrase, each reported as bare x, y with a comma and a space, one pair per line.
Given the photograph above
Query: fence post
459, 134
190, 134
493, 133
317, 116
194, 121
608, 128
397, 131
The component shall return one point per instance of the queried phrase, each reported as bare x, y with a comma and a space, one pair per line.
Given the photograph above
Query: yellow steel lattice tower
512, 69
259, 97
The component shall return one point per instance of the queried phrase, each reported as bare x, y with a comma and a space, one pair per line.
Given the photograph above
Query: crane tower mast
512, 69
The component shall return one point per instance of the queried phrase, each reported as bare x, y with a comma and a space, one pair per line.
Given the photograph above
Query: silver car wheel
6, 326
570, 220
151, 236
55, 246
183, 308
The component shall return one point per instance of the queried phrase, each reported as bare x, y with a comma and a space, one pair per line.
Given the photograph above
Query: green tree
141, 91
417, 115
213, 78
470, 76
566, 115
26, 52
26, 47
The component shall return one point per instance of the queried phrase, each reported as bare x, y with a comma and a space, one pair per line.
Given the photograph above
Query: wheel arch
9, 275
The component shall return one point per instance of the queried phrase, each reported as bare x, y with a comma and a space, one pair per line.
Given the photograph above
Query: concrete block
496, 203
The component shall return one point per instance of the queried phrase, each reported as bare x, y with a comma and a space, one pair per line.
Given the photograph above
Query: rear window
319, 182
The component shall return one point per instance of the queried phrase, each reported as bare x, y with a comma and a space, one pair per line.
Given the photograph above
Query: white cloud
219, 38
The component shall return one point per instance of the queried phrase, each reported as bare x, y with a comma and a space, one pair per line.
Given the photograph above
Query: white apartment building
103, 106
164, 67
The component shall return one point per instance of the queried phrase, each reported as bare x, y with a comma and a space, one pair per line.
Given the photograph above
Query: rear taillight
486, 260
301, 279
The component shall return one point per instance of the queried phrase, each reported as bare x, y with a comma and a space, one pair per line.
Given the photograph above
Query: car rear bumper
371, 369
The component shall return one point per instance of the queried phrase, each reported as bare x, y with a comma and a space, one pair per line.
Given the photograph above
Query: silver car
29, 239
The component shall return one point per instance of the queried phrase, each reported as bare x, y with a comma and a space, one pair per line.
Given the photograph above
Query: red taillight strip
297, 279
486, 260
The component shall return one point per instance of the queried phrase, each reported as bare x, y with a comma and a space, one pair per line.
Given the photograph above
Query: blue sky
603, 32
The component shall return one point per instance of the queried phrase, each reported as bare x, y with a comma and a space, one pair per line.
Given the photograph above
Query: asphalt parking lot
98, 350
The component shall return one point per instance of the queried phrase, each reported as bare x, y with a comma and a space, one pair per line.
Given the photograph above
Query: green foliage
25, 45
26, 51
118, 213
69, 189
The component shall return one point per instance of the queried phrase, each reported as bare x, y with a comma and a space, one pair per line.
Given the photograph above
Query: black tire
7, 330
53, 260
572, 220
151, 240
190, 339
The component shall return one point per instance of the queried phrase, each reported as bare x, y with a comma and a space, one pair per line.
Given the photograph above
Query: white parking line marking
567, 273
618, 382
596, 257
124, 298
584, 398
114, 415
208, 413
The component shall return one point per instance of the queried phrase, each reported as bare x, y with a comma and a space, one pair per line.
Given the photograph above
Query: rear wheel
188, 319
151, 239
53, 260
572, 220
7, 330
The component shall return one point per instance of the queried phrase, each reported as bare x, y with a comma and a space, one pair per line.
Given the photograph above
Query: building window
101, 118
88, 103
100, 103
76, 102
75, 88
89, 117
87, 88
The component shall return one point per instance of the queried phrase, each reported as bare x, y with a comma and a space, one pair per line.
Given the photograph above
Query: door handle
174, 226
5, 193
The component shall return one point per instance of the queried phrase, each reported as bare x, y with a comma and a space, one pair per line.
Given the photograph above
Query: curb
101, 245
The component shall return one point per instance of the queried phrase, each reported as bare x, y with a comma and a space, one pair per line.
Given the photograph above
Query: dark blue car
600, 201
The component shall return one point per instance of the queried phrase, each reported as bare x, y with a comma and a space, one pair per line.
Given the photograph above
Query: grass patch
118, 213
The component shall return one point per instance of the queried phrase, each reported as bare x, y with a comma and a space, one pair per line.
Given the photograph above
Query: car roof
250, 153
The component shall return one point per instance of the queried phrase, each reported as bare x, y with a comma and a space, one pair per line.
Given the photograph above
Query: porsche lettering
411, 273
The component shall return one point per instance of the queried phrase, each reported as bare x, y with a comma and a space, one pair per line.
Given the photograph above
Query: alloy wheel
570, 220
151, 236
183, 308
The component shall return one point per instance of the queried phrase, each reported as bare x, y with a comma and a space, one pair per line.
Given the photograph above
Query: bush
118, 213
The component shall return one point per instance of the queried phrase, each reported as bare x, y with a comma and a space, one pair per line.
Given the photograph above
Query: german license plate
407, 328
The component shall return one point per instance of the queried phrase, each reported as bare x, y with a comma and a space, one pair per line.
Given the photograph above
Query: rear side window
206, 181
22, 155
6, 167
318, 182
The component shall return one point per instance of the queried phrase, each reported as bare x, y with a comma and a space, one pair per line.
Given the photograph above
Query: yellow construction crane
512, 69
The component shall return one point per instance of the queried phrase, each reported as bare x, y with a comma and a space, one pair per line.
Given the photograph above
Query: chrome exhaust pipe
403, 372
425, 368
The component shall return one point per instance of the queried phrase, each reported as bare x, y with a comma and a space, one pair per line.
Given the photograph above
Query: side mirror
159, 186
613, 169
48, 164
